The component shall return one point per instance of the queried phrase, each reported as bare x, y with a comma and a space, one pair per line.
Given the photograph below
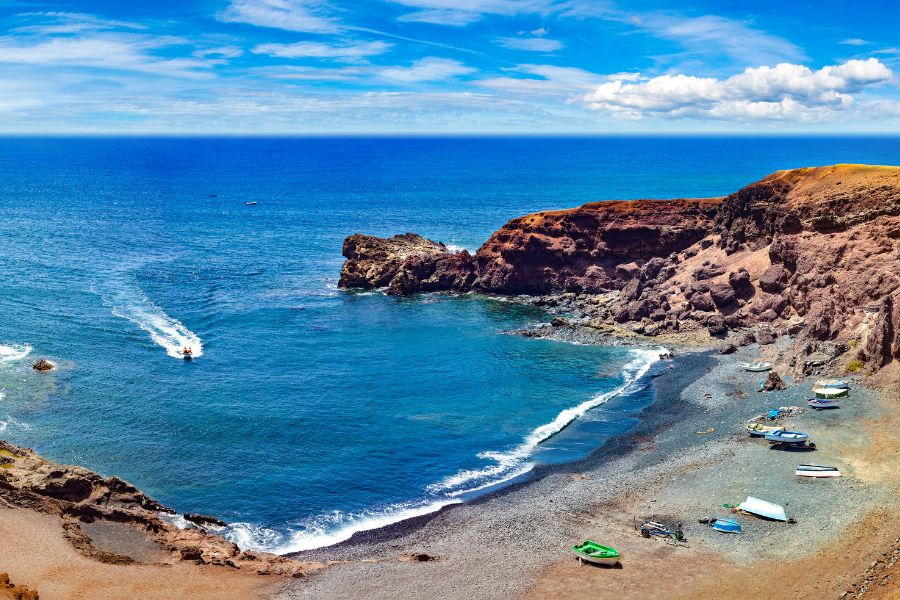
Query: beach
514, 543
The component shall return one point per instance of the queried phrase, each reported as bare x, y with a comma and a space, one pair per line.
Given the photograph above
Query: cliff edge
812, 253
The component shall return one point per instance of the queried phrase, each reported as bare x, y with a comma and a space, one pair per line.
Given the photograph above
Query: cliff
812, 253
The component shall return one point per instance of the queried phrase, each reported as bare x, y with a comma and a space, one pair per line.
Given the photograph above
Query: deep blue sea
310, 413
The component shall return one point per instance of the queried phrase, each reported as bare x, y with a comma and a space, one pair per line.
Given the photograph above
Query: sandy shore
36, 554
514, 542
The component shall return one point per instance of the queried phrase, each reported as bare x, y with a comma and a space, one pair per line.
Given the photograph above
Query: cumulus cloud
426, 69
530, 44
785, 91
346, 52
310, 16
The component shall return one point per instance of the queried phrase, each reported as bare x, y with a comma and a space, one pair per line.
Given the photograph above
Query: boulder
773, 382
740, 283
765, 337
722, 295
42, 365
702, 302
773, 280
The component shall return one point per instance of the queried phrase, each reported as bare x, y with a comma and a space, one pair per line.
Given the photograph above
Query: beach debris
710, 430
773, 382
592, 552
762, 508
42, 365
778, 413
652, 528
818, 471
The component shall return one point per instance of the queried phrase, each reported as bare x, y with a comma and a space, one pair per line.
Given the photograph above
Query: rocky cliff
811, 253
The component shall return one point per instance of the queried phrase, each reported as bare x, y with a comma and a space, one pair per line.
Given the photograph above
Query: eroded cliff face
812, 253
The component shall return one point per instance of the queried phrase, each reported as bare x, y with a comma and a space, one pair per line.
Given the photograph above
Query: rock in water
42, 365
773, 382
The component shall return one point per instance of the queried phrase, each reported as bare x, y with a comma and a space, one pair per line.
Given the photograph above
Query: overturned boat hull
761, 508
818, 471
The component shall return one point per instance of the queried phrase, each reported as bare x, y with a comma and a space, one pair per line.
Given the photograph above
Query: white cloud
463, 12
854, 42
785, 91
110, 51
55, 22
293, 15
346, 52
530, 44
553, 80
426, 69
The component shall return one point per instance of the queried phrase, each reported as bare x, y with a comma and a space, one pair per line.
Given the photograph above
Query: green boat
593, 552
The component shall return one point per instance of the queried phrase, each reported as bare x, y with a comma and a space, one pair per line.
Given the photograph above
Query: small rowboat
760, 430
838, 384
791, 438
727, 526
592, 552
817, 471
825, 393
757, 367
762, 508
819, 404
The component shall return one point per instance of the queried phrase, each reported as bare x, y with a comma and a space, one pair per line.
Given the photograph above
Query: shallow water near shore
310, 413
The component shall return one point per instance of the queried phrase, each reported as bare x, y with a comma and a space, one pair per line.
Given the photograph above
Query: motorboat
827, 393
819, 403
727, 526
592, 552
187, 354
757, 367
761, 508
817, 471
252, 203
789, 438
838, 384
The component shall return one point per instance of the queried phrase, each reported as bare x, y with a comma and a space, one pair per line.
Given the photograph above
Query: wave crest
14, 352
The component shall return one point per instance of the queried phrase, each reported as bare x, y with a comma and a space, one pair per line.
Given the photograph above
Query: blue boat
727, 526
793, 438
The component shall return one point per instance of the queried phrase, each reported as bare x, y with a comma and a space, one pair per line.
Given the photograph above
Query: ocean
309, 412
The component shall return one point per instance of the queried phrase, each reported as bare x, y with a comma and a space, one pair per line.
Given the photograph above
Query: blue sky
448, 66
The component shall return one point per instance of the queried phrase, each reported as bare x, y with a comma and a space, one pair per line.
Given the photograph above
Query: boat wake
14, 352
335, 527
168, 333
515, 462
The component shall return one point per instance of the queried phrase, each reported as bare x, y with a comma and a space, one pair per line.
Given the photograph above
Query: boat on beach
727, 526
826, 393
760, 430
592, 552
819, 403
761, 508
817, 471
788, 438
757, 367
838, 384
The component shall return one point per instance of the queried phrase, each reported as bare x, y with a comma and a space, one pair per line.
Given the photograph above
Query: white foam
5, 423
14, 352
515, 462
167, 332
455, 249
326, 530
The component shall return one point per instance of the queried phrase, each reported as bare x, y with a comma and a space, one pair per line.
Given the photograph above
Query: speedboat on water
187, 353
252, 203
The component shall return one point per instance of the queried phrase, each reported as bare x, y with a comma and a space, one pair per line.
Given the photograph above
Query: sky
449, 66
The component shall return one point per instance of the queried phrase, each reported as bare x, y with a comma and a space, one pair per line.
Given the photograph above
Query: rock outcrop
809, 253
80, 497
42, 365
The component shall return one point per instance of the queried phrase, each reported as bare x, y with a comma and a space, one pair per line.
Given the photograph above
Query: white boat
830, 393
253, 203
820, 403
817, 471
762, 508
757, 367
788, 438
839, 384
760, 430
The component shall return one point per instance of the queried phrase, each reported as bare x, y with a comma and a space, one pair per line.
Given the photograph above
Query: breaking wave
335, 527
14, 352
326, 530
512, 463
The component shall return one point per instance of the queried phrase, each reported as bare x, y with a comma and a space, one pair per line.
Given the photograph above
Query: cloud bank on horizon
446, 66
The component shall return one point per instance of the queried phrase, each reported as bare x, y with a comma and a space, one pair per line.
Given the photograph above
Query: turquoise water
311, 412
